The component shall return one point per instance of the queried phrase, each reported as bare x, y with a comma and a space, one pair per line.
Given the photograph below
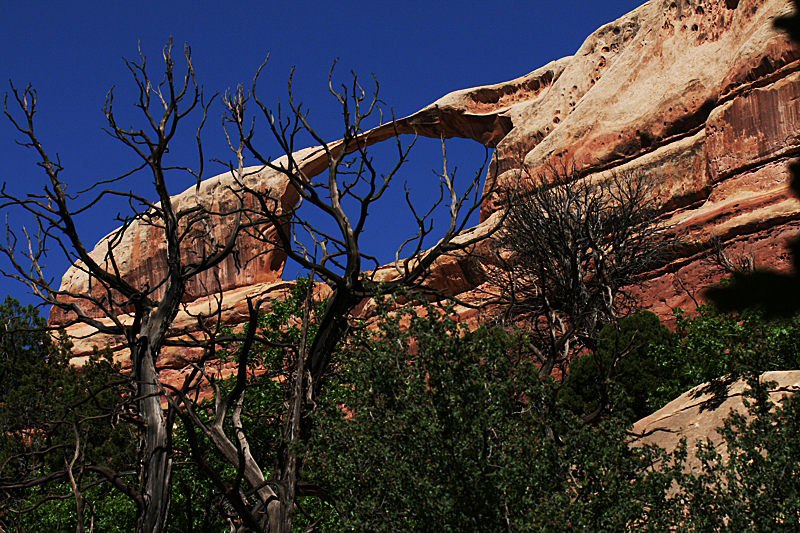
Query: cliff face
139, 251
700, 94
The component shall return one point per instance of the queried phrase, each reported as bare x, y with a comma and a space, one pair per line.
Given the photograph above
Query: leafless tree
570, 249
732, 263
142, 312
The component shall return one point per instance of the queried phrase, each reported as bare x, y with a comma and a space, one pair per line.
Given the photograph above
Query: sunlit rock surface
700, 94
696, 415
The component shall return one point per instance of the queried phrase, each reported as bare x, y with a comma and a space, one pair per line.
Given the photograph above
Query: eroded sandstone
696, 415
700, 94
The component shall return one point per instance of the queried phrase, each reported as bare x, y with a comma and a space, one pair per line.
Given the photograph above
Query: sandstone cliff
701, 94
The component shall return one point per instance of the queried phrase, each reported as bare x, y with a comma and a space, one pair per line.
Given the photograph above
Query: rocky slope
700, 94
696, 414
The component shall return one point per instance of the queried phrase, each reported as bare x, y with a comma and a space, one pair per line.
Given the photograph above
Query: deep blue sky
71, 52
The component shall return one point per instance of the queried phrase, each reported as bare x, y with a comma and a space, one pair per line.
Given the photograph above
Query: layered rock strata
700, 94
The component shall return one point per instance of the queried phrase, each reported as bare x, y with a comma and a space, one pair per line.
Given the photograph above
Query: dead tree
742, 263
337, 258
143, 312
570, 249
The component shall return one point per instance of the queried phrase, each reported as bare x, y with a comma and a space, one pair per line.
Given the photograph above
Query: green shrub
623, 373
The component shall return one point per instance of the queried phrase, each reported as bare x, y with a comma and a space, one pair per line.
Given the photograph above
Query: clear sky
72, 51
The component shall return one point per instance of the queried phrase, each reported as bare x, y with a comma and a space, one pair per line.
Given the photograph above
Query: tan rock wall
696, 415
138, 251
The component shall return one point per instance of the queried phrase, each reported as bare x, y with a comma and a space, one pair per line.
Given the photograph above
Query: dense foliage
63, 424
713, 345
437, 440
427, 426
623, 372
433, 428
23, 343
640, 365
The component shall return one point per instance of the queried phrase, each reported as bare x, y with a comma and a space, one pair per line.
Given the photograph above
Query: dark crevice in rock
688, 200
768, 71
691, 121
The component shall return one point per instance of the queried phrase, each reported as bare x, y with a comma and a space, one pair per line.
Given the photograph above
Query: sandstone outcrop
700, 94
138, 252
696, 415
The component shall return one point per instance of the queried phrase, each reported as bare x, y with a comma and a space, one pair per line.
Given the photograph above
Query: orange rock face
139, 252
701, 94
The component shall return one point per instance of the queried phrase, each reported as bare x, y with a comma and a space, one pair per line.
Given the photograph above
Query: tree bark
154, 451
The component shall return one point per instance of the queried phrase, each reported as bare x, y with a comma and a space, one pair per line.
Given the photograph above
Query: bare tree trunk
154, 450
80, 500
300, 387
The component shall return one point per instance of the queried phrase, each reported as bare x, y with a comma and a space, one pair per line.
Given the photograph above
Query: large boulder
698, 413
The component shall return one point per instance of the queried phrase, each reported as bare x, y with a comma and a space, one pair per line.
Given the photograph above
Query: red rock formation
663, 72
700, 94
138, 251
